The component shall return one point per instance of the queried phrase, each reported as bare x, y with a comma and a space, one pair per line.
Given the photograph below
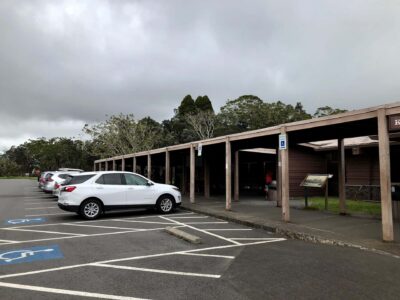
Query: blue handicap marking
25, 221
30, 254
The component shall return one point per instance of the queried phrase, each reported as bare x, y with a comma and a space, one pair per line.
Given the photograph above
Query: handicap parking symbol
24, 255
25, 221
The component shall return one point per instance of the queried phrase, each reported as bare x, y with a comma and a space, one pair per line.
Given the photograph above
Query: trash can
396, 202
272, 192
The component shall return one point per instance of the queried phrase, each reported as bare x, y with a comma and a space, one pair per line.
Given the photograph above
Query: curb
183, 235
291, 234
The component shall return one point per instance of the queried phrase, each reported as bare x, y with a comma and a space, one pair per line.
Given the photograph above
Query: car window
132, 179
114, 179
63, 176
77, 179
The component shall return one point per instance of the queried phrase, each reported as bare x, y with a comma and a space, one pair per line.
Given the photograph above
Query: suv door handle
99, 188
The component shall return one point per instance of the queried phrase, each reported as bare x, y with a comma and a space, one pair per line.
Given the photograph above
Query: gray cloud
77, 61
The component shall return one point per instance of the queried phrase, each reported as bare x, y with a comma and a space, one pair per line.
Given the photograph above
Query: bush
8, 167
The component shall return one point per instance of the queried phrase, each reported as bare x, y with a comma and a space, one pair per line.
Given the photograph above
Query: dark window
131, 179
63, 176
78, 179
110, 179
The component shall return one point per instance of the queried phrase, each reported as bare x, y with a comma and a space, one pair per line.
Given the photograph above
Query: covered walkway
200, 166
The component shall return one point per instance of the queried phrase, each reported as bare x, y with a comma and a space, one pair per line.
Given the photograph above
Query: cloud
77, 61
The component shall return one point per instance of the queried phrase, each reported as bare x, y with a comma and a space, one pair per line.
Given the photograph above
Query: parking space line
157, 271
39, 215
256, 239
87, 236
136, 258
194, 217
36, 203
199, 223
208, 255
99, 226
65, 292
145, 222
46, 207
229, 229
203, 231
44, 231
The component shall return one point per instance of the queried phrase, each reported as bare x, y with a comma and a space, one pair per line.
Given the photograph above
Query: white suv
93, 193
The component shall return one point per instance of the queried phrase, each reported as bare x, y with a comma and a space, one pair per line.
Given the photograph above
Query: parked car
92, 193
53, 184
70, 170
42, 179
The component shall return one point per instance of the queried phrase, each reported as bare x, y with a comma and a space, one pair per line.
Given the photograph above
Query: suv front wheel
165, 204
90, 209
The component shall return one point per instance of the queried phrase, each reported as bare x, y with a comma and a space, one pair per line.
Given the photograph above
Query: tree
203, 123
9, 167
203, 103
327, 111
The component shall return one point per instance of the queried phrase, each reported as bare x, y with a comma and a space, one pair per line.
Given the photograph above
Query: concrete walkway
316, 226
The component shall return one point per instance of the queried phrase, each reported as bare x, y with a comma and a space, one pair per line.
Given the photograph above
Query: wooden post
183, 179
123, 164
385, 180
236, 178
284, 153
228, 175
342, 176
149, 166
94, 167
106, 165
192, 173
134, 164
279, 179
114, 165
206, 166
167, 167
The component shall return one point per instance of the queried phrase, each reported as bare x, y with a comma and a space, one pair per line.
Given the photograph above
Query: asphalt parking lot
46, 253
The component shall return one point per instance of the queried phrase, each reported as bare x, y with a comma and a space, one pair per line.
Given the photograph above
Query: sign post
316, 181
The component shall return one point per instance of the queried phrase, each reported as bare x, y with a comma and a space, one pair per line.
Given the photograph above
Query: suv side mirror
149, 183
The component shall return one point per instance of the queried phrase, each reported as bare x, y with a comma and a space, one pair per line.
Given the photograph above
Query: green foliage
203, 103
352, 206
327, 111
9, 167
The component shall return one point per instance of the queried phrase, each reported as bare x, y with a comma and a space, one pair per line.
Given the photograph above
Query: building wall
303, 161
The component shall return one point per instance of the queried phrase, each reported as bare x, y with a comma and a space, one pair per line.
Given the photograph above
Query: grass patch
18, 177
352, 206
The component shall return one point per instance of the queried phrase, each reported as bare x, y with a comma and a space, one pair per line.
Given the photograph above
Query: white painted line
203, 231
157, 271
49, 214
199, 223
156, 216
44, 231
8, 241
36, 203
257, 239
99, 226
195, 217
133, 258
87, 236
229, 229
32, 208
64, 292
144, 222
208, 255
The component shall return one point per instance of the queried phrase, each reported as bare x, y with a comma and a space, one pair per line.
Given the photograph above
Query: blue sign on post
282, 142
30, 254
25, 221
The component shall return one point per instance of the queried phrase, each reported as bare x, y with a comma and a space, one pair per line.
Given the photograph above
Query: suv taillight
69, 189
56, 186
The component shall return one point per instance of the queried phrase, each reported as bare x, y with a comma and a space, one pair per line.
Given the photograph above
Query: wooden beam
236, 177
149, 166
342, 176
206, 166
167, 167
192, 173
279, 179
134, 165
285, 179
385, 180
228, 175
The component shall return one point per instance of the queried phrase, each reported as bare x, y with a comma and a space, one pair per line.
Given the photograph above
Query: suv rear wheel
90, 209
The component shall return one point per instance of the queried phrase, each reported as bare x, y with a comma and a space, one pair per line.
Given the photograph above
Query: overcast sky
67, 63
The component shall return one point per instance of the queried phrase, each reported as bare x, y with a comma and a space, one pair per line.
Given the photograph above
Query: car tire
90, 209
165, 204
